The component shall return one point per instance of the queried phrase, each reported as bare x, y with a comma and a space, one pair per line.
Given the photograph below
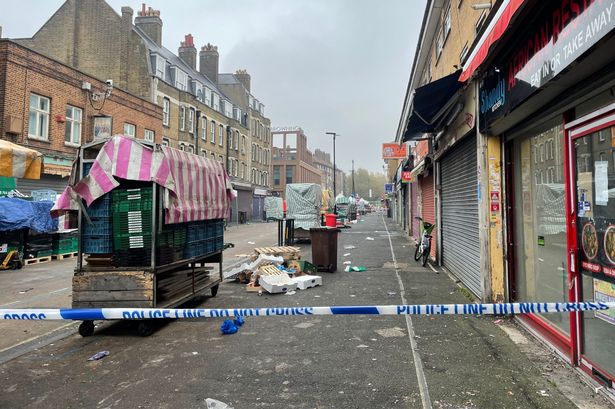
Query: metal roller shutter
52, 182
414, 210
429, 210
460, 235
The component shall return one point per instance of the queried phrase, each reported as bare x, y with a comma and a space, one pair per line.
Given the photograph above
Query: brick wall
23, 71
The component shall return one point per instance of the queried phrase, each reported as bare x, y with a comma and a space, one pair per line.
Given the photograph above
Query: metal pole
353, 192
334, 173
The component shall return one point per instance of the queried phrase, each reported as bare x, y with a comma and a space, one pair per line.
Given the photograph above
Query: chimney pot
187, 51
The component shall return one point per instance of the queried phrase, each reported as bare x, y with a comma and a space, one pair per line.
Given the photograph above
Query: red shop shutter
429, 209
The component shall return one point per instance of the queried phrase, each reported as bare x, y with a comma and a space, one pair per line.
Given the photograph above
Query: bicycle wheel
426, 255
417, 252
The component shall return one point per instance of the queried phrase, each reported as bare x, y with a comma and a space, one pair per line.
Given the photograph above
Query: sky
324, 65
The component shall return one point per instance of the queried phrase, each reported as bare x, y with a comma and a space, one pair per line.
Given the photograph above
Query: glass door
593, 153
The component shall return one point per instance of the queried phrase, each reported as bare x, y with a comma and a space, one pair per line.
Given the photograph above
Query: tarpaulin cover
303, 202
19, 162
196, 188
274, 207
18, 214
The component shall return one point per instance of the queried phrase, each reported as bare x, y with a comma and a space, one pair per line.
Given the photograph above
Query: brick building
53, 108
291, 159
322, 161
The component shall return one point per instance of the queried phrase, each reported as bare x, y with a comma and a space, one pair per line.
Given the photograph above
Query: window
276, 175
203, 153
230, 140
204, 134
181, 80
208, 99
182, 118
481, 21
216, 101
213, 132
38, 123
439, 44
289, 174
190, 148
191, 116
182, 147
149, 135
242, 173
229, 166
213, 156
542, 153
221, 135
221, 159
130, 130
166, 108
72, 130
235, 163
243, 144
464, 53
602, 134
447, 22
160, 67
165, 141
236, 140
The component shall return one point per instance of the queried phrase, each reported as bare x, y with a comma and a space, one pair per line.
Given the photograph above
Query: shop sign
562, 31
388, 188
406, 176
394, 151
420, 151
495, 202
103, 127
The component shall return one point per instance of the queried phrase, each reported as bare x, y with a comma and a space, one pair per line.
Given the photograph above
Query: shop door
428, 208
257, 207
593, 239
460, 236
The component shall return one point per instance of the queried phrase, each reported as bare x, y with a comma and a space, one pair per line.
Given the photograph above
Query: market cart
151, 226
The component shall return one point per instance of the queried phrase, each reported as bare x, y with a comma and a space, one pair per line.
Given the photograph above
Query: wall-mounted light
481, 6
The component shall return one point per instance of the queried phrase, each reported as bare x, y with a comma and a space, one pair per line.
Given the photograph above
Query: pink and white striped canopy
196, 188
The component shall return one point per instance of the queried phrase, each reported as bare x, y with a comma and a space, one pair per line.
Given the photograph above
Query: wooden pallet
37, 260
287, 252
63, 256
270, 270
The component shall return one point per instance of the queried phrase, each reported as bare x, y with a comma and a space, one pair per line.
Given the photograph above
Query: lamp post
334, 171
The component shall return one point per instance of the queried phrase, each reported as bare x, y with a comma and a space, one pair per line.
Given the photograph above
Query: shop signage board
406, 176
394, 151
561, 31
388, 188
103, 127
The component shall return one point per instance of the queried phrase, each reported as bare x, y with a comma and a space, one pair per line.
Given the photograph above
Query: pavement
310, 362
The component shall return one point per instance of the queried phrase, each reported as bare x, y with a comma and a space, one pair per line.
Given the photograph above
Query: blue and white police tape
424, 309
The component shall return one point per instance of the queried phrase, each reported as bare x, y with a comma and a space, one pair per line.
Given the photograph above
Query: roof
175, 60
227, 79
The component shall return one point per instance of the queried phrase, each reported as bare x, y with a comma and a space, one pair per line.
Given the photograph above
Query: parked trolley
154, 233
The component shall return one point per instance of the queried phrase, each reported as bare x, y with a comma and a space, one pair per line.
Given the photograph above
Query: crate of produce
132, 241
97, 244
100, 226
101, 207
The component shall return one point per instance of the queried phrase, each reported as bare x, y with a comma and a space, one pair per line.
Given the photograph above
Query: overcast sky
323, 65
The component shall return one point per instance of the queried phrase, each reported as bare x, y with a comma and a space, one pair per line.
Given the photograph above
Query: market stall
150, 222
303, 201
274, 208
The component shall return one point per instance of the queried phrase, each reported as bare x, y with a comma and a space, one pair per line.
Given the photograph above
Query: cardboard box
305, 282
277, 283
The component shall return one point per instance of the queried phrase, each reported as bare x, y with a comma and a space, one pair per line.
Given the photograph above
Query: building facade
53, 108
532, 110
291, 159
322, 162
197, 114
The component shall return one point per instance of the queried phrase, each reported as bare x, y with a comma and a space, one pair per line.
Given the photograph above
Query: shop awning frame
429, 105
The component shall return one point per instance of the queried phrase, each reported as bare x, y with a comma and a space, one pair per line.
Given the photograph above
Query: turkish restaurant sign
394, 151
560, 33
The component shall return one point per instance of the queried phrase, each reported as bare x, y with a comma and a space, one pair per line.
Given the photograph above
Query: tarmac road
300, 362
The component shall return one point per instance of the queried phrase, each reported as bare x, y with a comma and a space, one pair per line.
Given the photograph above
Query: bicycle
423, 248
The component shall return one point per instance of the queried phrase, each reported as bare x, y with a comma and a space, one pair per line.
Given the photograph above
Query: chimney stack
149, 21
243, 77
187, 51
208, 64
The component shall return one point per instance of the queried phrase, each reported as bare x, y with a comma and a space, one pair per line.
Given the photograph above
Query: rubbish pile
276, 270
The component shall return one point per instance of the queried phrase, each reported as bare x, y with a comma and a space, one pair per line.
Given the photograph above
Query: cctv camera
109, 83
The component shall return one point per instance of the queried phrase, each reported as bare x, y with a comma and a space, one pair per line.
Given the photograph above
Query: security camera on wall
109, 83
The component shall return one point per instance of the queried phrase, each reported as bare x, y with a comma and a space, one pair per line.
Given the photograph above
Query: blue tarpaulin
18, 214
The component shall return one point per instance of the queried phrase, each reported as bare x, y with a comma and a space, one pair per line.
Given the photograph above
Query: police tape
86, 314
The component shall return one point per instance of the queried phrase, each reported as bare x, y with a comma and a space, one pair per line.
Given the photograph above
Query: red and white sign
406, 176
495, 201
394, 151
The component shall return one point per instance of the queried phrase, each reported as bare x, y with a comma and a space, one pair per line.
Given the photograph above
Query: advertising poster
394, 151
605, 292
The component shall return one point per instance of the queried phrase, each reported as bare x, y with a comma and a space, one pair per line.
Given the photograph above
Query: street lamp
334, 173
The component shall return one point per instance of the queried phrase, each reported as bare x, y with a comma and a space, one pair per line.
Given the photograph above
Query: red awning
491, 35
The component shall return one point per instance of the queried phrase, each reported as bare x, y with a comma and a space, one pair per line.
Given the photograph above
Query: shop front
547, 92
258, 204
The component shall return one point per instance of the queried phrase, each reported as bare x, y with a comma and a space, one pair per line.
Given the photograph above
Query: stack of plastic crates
132, 226
204, 237
97, 236
170, 243
64, 243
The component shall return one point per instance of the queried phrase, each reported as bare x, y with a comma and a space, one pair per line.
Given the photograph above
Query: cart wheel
145, 328
86, 328
214, 290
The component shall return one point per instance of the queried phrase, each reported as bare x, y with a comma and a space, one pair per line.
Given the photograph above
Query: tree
363, 182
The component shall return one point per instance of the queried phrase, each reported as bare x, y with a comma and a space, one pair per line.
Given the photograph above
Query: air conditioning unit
13, 124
